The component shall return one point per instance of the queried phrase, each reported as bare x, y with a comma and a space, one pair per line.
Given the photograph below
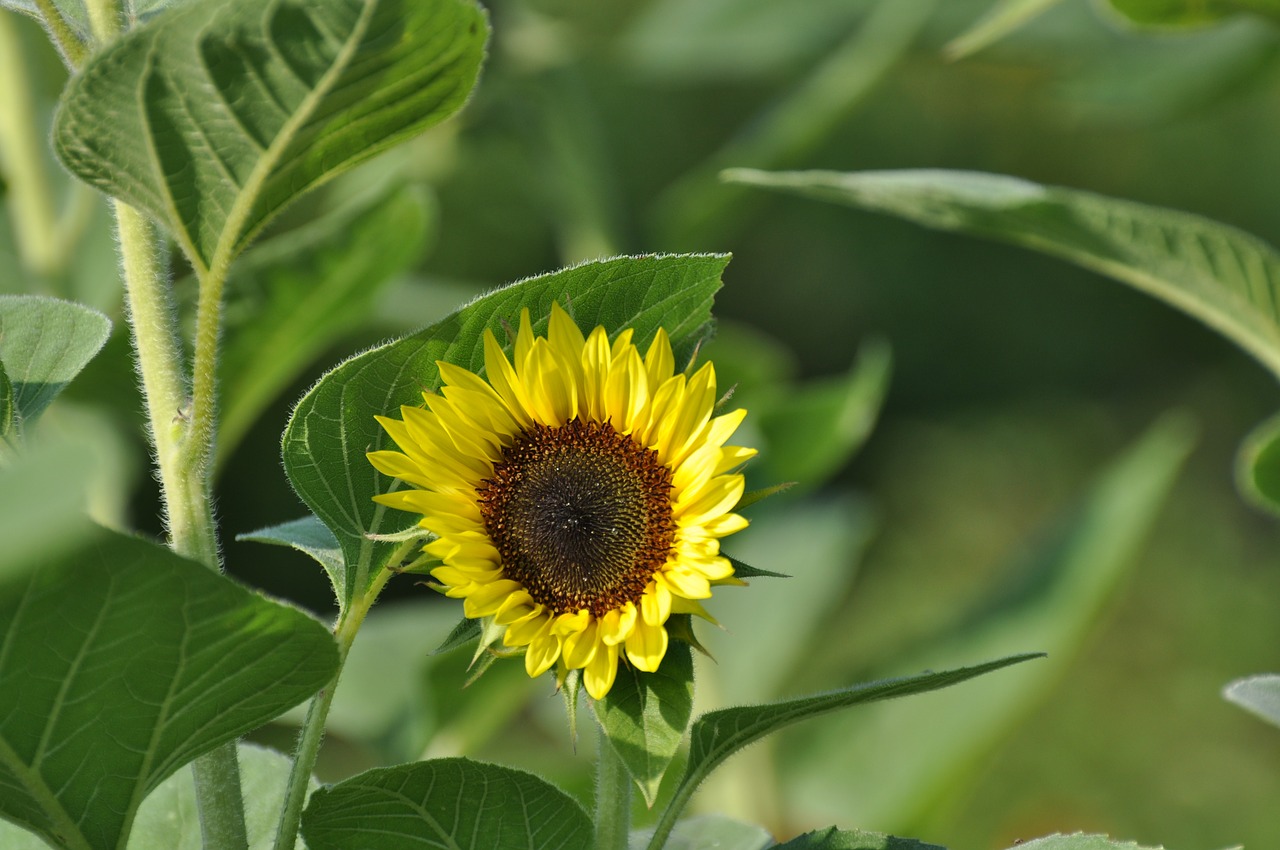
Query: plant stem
312, 733
667, 821
64, 37
105, 19
613, 798
26, 171
219, 798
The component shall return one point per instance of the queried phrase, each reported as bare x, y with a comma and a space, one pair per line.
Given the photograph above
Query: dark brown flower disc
580, 514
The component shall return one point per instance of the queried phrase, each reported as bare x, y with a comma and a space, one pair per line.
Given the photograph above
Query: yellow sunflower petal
598, 676
581, 647
543, 651
655, 604
487, 599
646, 646
505, 382
659, 362
615, 625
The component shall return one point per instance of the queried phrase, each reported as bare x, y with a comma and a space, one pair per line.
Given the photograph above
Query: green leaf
1259, 695
852, 839
451, 804
169, 820
216, 114
1220, 275
720, 734
1080, 841
1002, 18
644, 716
1188, 13
333, 426
121, 662
1050, 598
815, 430
707, 831
308, 535
462, 634
1258, 465
741, 570
44, 343
6, 404
291, 296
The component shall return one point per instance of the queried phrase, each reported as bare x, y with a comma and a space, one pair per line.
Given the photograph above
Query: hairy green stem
64, 37
219, 799
105, 19
312, 733
26, 172
613, 798
667, 821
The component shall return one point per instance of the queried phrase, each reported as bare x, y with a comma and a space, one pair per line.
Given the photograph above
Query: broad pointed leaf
309, 535
333, 426
1220, 275
1080, 841
216, 114
1259, 695
120, 662
44, 343
451, 804
644, 716
720, 734
852, 839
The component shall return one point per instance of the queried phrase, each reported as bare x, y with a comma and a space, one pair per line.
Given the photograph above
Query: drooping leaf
44, 343
852, 839
308, 535
818, 427
644, 716
290, 297
451, 804
1189, 13
1000, 20
719, 734
1220, 275
1258, 465
169, 820
1080, 841
706, 831
1049, 598
1259, 695
121, 662
333, 427
216, 114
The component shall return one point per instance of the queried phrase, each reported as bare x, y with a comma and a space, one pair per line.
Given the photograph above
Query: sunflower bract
578, 493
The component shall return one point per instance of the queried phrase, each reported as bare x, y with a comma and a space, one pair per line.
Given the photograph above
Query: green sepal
462, 634
744, 570
750, 498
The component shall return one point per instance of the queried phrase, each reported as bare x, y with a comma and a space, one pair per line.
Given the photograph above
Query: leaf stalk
613, 797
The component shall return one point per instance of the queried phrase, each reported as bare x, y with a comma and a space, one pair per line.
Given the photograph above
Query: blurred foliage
598, 128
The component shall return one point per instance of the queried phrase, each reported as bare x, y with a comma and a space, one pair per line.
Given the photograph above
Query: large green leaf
1259, 695
451, 804
1218, 274
291, 296
216, 114
852, 839
333, 426
1080, 841
44, 343
1189, 13
719, 734
120, 662
1050, 599
644, 716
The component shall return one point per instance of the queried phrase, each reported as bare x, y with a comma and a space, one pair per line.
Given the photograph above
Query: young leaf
308, 535
720, 734
1258, 465
852, 839
1220, 275
216, 114
333, 426
120, 663
1259, 695
1002, 18
451, 804
168, 818
292, 295
644, 716
44, 343
707, 831
1080, 841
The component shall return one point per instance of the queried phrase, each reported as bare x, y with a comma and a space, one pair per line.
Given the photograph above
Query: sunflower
577, 493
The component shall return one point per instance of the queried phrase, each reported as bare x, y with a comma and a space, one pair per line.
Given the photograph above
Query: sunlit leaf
1081, 841
333, 427
290, 297
1257, 694
853, 839
1220, 275
120, 663
451, 804
308, 535
44, 343
1002, 18
216, 114
707, 831
644, 716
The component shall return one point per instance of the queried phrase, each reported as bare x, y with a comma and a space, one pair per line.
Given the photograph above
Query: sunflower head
577, 493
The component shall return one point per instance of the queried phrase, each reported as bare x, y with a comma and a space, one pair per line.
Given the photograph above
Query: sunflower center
580, 514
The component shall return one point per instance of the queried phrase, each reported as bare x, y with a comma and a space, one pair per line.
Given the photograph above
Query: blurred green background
599, 128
